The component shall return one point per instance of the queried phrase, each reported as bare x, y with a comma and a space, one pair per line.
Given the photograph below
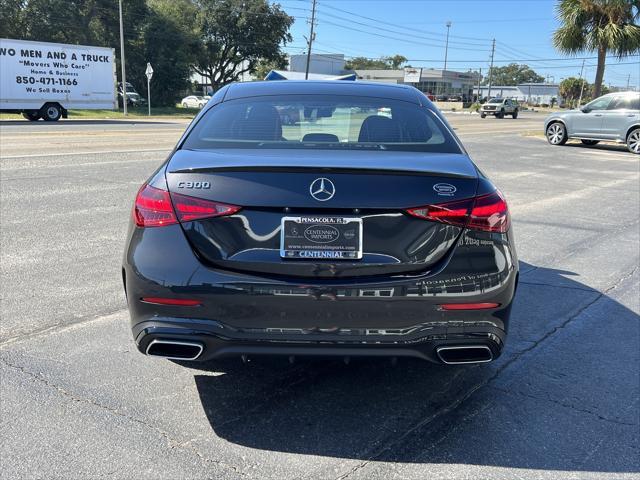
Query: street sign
149, 71
412, 75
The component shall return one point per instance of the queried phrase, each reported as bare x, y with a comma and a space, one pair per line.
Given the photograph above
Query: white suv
614, 117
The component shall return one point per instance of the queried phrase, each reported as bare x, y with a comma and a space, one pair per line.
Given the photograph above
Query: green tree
571, 87
395, 61
364, 63
263, 67
236, 35
85, 22
513, 74
600, 26
11, 18
385, 63
170, 43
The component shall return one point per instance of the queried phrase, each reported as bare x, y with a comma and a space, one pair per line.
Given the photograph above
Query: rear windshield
321, 122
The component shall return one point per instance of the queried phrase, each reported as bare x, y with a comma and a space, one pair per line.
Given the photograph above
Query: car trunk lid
372, 190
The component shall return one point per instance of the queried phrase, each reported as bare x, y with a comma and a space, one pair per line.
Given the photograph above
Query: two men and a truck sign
45, 80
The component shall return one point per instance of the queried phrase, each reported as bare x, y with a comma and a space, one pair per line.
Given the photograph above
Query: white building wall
532, 93
325, 64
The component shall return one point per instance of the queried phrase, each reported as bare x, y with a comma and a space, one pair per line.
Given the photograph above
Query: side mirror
585, 110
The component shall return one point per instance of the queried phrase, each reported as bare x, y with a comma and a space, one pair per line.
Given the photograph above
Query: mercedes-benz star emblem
322, 189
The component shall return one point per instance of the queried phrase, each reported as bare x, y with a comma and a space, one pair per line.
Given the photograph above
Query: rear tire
590, 142
633, 141
556, 134
51, 112
31, 115
515, 114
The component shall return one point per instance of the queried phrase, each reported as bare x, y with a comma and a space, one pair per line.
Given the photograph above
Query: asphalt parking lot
78, 400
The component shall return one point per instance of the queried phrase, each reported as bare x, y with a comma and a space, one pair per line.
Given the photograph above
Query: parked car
499, 107
614, 117
442, 98
356, 235
454, 98
193, 101
134, 99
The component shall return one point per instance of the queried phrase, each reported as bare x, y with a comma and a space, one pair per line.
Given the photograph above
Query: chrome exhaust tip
463, 354
174, 349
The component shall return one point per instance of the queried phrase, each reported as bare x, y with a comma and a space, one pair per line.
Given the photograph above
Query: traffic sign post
149, 73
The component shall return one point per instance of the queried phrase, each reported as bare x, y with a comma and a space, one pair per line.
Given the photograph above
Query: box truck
45, 80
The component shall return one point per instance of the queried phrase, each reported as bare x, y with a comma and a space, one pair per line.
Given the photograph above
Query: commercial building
324, 64
428, 80
534, 93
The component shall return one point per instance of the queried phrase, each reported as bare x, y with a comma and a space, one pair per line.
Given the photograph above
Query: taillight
155, 207
191, 208
488, 213
453, 213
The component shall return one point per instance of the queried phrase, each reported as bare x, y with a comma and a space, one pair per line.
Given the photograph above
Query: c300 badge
194, 185
445, 189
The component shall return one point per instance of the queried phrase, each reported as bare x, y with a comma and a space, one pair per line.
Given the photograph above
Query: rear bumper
393, 316
216, 345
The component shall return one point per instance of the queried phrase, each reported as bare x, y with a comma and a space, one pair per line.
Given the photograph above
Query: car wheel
515, 114
500, 114
483, 115
633, 141
556, 134
590, 142
31, 115
51, 112
184, 105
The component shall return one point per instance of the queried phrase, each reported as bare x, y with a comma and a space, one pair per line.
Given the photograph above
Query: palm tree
598, 26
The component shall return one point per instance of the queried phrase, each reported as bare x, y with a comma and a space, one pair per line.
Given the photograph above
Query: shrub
475, 107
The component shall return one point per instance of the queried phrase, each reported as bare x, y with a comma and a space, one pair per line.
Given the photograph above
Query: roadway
78, 400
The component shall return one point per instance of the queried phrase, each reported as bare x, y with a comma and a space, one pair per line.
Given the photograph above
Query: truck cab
499, 107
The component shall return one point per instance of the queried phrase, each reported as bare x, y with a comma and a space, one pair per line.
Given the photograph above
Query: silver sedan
614, 117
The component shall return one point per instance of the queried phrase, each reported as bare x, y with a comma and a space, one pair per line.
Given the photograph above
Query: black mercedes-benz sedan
320, 218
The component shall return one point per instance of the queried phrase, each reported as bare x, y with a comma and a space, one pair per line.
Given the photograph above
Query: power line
404, 27
412, 42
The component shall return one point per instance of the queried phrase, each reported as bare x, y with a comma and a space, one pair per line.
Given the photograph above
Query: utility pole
479, 91
628, 81
581, 84
124, 74
310, 40
446, 48
493, 51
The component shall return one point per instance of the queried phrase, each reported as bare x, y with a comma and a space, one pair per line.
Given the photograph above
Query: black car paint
320, 307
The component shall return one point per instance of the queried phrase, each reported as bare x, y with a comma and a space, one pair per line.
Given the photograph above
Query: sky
417, 29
